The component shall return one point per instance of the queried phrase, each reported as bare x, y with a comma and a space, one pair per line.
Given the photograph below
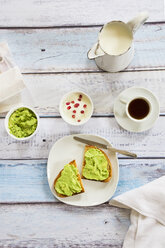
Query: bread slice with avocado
68, 182
96, 165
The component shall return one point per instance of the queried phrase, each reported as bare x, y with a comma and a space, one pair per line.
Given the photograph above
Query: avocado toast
68, 182
96, 165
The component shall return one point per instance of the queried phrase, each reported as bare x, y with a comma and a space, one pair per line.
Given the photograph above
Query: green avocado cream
22, 122
96, 165
68, 183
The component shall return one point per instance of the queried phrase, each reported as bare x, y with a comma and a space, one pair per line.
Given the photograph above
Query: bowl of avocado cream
21, 122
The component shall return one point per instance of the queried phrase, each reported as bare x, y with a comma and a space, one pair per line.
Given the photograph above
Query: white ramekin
62, 113
7, 121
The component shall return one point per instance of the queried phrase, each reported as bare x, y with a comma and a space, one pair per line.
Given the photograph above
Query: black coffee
138, 108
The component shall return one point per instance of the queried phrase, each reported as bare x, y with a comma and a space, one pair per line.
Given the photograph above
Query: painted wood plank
58, 225
65, 50
26, 181
57, 13
146, 144
102, 87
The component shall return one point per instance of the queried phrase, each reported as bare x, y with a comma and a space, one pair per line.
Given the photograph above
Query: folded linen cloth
11, 81
6, 61
147, 204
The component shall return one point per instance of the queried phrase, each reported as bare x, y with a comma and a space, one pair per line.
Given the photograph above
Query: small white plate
122, 118
66, 150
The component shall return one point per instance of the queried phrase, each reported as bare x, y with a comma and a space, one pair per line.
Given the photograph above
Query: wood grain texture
26, 181
71, 12
58, 225
102, 87
145, 144
65, 49
61, 49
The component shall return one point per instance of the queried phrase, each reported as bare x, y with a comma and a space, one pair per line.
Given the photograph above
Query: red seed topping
72, 101
80, 96
85, 106
76, 105
73, 116
74, 111
82, 111
69, 107
79, 99
67, 103
79, 120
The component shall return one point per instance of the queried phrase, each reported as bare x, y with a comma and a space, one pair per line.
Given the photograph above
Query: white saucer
122, 118
67, 149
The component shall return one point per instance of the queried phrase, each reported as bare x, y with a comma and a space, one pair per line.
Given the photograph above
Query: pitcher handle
95, 52
136, 22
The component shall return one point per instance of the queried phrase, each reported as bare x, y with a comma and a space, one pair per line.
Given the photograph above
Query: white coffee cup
128, 101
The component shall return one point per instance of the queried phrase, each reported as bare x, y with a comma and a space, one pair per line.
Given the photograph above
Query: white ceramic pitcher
108, 61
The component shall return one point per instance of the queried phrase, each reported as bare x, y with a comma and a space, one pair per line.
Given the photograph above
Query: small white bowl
62, 113
7, 122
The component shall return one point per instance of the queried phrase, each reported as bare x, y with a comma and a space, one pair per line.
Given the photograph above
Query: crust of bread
79, 178
109, 164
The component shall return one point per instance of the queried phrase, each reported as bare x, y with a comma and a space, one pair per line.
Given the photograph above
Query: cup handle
121, 112
124, 100
136, 22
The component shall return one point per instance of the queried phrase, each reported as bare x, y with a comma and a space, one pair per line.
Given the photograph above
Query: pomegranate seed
76, 105
85, 106
69, 107
74, 111
72, 101
80, 96
79, 99
73, 116
82, 111
67, 103
79, 120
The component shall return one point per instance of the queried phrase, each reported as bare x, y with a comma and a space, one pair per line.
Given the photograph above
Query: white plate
66, 150
122, 118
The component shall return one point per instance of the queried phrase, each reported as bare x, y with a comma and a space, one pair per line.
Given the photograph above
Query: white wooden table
49, 41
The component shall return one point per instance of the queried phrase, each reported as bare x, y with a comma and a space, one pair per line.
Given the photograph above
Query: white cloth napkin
11, 81
147, 204
6, 61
